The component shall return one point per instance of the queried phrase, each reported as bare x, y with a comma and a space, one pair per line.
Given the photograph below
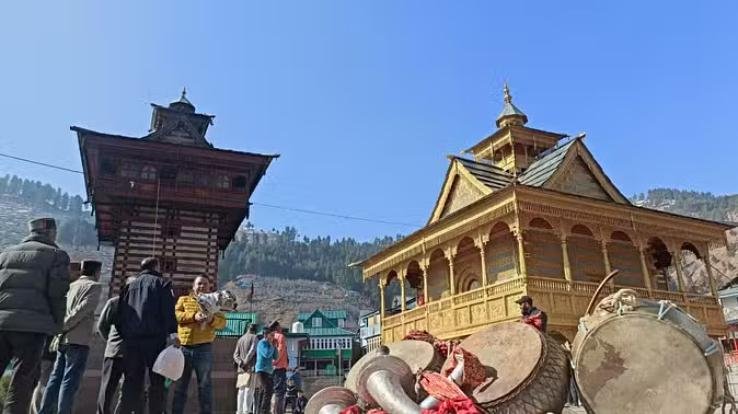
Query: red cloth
456, 406
439, 386
474, 372
536, 320
376, 411
351, 409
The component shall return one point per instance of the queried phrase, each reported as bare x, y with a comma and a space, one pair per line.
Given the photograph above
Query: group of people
262, 363
47, 322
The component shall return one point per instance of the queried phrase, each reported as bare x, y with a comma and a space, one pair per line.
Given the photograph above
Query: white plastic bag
170, 363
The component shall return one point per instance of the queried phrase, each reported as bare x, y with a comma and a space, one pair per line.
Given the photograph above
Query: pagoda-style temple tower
169, 194
532, 212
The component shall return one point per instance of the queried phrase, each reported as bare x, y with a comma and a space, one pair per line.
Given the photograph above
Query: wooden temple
531, 212
168, 194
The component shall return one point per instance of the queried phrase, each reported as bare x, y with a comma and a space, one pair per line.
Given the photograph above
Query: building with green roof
237, 322
328, 340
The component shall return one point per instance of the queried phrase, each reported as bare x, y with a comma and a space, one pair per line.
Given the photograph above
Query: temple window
239, 181
169, 265
107, 166
202, 179
185, 177
148, 172
129, 170
222, 181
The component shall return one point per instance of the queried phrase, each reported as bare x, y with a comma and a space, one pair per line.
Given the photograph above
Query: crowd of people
47, 323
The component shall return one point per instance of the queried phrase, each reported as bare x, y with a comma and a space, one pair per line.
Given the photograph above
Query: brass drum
418, 355
643, 356
529, 371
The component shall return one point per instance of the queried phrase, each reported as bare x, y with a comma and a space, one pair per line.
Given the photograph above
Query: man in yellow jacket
196, 334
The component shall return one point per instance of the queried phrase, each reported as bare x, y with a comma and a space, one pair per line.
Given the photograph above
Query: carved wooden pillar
565, 258
644, 268
450, 254
424, 266
708, 267
382, 283
676, 258
480, 243
403, 298
521, 252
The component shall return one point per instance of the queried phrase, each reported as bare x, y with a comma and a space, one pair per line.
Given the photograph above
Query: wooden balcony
467, 312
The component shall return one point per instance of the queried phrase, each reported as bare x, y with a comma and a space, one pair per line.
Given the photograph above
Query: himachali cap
523, 299
89, 267
42, 224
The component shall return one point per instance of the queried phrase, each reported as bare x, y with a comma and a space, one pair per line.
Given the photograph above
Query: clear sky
364, 100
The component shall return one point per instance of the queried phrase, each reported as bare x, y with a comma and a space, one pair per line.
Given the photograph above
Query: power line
13, 157
342, 216
275, 206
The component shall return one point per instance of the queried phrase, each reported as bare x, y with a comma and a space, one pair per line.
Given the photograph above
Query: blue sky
364, 100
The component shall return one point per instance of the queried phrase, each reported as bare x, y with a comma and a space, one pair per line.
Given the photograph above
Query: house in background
331, 345
370, 330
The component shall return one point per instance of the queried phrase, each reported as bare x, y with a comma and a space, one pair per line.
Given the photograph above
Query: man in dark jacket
145, 320
112, 368
34, 279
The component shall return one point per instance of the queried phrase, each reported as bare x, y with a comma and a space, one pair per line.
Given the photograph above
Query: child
291, 394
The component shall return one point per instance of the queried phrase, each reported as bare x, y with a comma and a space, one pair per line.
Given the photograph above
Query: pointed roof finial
506, 92
183, 104
510, 114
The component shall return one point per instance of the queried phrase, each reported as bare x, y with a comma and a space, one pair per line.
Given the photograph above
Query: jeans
44, 372
65, 379
280, 387
263, 389
24, 349
200, 359
112, 372
138, 356
245, 401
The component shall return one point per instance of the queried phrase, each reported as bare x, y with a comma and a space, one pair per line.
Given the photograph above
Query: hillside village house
370, 330
328, 340
532, 212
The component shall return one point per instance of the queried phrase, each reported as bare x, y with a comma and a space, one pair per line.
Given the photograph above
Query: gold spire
506, 92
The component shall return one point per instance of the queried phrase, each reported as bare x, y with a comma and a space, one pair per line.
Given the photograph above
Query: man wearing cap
532, 315
280, 368
34, 279
145, 320
74, 341
245, 358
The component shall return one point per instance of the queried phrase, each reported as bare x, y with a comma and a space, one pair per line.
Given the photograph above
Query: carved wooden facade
540, 219
169, 194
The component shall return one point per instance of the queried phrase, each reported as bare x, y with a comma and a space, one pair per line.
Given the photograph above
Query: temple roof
468, 180
511, 114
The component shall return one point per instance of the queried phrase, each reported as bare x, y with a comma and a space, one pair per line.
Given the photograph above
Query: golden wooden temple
532, 212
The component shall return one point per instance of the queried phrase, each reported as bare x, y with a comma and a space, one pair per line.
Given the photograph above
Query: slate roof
488, 174
535, 175
543, 168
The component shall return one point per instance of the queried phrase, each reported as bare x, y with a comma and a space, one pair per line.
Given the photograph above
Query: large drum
642, 356
530, 370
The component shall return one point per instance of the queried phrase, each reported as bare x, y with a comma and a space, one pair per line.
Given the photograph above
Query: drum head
510, 352
636, 363
330, 395
353, 374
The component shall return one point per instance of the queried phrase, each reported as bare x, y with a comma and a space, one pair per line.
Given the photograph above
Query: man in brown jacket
34, 279
245, 357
